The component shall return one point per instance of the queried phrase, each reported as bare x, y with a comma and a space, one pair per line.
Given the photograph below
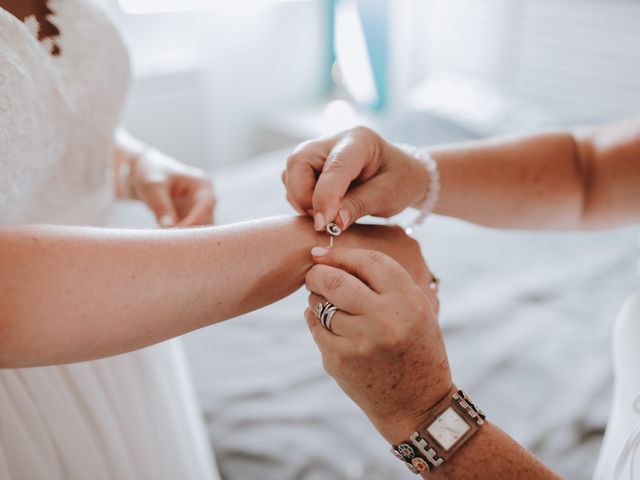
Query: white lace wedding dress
129, 417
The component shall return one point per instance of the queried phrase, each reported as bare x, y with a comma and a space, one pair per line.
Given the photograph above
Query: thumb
157, 197
379, 271
365, 199
345, 163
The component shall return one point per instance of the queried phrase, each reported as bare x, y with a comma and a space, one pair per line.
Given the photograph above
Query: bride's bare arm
71, 294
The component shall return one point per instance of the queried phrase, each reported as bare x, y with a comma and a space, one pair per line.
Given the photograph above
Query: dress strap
630, 450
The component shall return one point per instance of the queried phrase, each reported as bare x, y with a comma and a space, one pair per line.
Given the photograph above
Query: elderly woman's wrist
398, 425
416, 176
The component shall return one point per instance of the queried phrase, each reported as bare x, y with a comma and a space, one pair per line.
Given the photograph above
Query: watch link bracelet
452, 422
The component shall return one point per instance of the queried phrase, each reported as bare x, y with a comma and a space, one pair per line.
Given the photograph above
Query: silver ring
325, 312
328, 316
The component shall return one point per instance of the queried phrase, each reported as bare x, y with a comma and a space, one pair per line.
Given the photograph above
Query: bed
527, 320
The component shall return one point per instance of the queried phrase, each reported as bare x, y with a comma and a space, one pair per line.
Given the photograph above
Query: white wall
202, 77
578, 59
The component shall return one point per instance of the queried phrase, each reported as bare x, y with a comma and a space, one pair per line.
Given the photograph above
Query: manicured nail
319, 222
319, 251
345, 216
166, 221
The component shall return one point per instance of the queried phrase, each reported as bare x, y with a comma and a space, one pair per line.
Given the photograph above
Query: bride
71, 296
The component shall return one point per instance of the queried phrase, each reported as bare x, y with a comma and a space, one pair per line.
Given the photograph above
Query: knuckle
366, 350
312, 275
417, 304
335, 281
392, 334
361, 131
337, 164
374, 257
358, 204
292, 160
298, 154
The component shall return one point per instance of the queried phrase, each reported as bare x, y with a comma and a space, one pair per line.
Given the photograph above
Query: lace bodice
58, 115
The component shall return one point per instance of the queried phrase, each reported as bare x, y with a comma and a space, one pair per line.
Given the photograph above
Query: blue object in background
360, 31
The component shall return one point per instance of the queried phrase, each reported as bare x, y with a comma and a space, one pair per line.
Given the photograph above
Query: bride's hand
394, 242
179, 195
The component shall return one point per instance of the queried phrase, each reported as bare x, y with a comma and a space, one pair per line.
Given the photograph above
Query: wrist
399, 425
415, 174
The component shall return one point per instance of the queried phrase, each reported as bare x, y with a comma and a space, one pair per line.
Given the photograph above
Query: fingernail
344, 216
319, 251
319, 222
166, 221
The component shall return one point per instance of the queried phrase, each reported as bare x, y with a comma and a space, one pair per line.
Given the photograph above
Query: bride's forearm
72, 294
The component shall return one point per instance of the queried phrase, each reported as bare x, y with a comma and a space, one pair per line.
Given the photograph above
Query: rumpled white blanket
527, 320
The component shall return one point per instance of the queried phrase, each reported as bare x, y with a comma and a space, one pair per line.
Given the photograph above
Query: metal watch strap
422, 452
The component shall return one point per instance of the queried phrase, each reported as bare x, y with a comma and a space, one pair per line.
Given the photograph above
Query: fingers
344, 164
380, 272
196, 206
326, 341
341, 322
365, 199
341, 288
356, 157
303, 167
200, 214
157, 196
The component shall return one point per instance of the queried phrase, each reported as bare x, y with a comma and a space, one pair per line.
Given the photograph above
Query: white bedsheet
526, 318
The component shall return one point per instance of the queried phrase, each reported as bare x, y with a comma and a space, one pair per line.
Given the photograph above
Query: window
164, 6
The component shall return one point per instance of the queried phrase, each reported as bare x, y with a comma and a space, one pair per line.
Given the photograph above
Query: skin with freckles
384, 324
387, 353
583, 179
588, 178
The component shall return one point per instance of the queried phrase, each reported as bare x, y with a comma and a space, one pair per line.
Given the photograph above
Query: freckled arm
588, 178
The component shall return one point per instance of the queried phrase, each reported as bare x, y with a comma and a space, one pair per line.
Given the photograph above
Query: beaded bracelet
433, 189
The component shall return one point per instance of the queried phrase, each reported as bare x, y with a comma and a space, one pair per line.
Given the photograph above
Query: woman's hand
179, 195
393, 242
386, 350
352, 174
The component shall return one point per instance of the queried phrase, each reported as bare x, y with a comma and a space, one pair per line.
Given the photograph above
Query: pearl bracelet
433, 189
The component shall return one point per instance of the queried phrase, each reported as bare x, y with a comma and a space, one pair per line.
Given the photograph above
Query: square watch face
448, 428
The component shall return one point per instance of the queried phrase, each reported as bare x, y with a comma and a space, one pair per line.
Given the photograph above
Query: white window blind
577, 59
